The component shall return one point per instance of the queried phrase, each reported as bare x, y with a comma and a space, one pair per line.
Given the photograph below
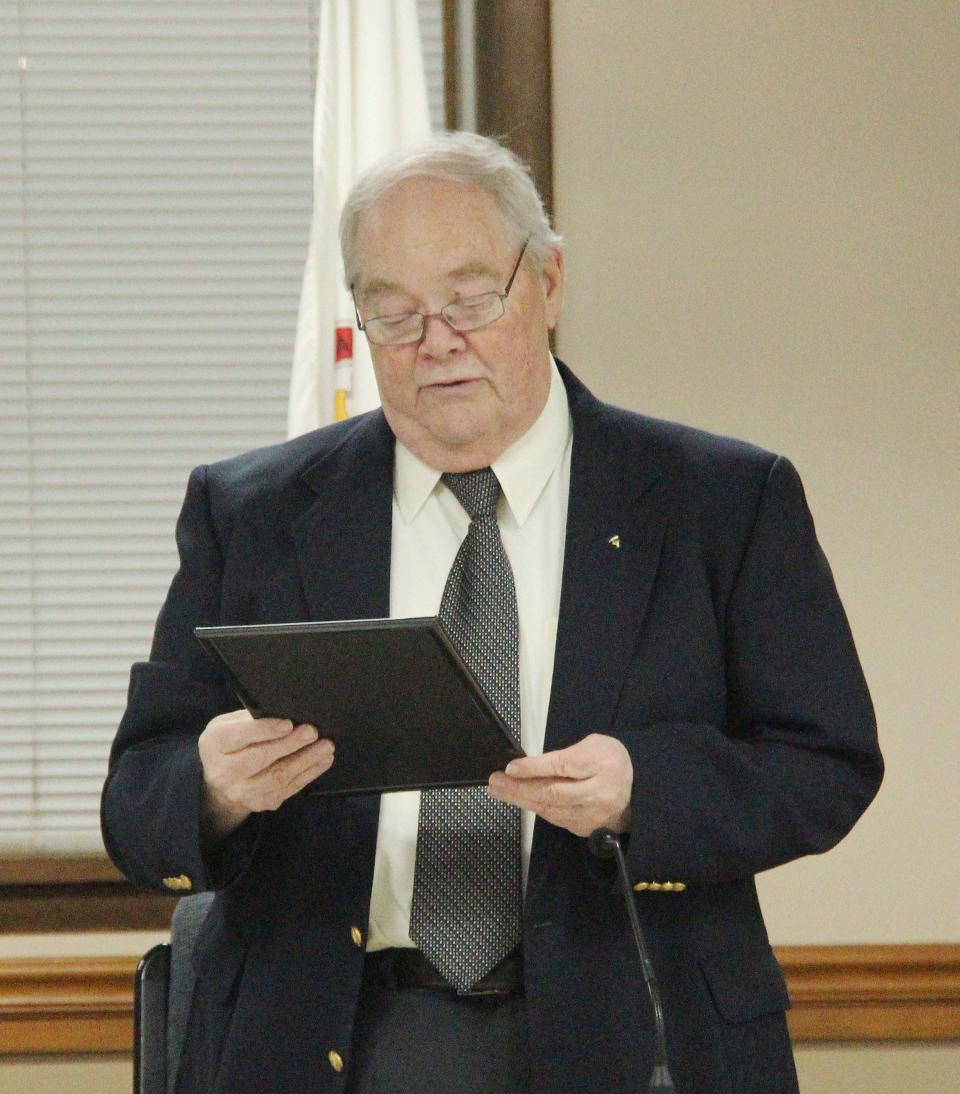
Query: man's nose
439, 338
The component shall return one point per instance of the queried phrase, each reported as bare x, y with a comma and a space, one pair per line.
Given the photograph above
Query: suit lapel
616, 519
617, 516
343, 537
342, 542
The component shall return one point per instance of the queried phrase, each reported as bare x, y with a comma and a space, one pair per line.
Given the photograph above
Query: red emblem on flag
344, 344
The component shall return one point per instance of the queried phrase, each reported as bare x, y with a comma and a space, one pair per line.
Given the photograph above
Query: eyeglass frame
502, 296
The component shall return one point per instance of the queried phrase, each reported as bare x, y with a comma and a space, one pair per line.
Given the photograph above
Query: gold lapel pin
614, 542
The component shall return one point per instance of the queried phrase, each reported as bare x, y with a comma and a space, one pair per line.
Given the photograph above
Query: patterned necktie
465, 915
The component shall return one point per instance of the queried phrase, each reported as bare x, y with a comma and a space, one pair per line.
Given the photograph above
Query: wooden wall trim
873, 993
66, 1005
840, 993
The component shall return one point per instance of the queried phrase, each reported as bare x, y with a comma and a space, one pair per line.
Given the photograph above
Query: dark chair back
162, 994
150, 988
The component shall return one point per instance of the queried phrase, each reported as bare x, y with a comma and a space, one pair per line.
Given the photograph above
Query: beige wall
77, 1074
760, 203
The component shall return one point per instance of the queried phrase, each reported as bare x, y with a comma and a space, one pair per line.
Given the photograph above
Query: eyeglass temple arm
356, 310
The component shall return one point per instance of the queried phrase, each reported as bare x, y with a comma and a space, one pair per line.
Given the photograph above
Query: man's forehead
455, 230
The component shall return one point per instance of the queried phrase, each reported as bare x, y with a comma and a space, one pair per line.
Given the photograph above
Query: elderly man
647, 606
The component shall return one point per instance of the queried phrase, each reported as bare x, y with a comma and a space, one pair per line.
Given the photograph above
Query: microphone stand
604, 844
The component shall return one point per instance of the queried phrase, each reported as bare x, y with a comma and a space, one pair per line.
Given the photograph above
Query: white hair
465, 158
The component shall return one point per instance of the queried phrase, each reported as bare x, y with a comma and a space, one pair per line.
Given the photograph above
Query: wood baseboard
61, 1005
839, 993
873, 993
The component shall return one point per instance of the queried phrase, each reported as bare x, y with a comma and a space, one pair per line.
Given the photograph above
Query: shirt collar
523, 470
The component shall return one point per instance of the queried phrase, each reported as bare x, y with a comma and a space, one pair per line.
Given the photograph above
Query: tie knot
477, 491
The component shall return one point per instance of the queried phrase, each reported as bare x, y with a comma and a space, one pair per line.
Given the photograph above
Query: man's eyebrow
380, 286
472, 269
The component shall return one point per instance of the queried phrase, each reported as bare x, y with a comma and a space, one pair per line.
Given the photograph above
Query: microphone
603, 843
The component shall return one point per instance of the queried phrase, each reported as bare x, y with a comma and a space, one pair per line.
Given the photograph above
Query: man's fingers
549, 765
284, 766
580, 788
537, 794
579, 805
315, 769
262, 754
579, 761
234, 735
272, 786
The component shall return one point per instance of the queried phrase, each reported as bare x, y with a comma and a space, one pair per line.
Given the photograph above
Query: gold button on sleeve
180, 883
660, 886
336, 1060
357, 935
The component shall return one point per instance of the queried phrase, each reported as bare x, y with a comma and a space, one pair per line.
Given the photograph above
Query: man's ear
552, 280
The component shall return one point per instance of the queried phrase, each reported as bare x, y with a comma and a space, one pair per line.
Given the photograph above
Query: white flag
371, 99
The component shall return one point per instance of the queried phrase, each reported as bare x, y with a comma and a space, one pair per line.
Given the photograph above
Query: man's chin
459, 445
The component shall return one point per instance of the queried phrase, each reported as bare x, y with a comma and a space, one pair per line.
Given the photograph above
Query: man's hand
580, 788
254, 764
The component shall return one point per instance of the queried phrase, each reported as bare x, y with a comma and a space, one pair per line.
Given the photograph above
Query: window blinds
155, 184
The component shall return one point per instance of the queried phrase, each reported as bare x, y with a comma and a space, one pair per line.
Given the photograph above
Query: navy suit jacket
707, 636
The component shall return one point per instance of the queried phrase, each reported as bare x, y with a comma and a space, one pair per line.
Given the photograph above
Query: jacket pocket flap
745, 984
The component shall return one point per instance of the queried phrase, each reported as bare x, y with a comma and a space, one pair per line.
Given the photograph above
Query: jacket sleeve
150, 808
796, 761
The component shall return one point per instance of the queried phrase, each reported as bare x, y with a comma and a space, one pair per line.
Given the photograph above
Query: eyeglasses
471, 313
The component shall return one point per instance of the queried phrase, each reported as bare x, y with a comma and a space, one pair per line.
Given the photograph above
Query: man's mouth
453, 385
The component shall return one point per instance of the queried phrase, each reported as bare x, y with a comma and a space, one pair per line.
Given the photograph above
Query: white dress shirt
429, 525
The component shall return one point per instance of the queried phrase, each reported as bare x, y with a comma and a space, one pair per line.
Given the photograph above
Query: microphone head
602, 842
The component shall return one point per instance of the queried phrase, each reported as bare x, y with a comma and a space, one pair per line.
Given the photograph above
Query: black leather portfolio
401, 707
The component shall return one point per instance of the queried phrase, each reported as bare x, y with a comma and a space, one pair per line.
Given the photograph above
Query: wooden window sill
75, 894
